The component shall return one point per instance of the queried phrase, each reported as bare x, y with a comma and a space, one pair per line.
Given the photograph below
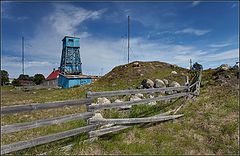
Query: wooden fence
95, 126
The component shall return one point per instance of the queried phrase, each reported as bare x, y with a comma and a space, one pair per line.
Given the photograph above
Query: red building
52, 79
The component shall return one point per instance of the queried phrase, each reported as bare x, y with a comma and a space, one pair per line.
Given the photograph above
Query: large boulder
97, 116
103, 100
165, 82
173, 72
118, 101
136, 64
159, 83
174, 84
147, 83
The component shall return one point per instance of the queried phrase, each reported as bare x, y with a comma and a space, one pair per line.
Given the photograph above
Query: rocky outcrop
147, 83
159, 83
174, 84
103, 100
165, 82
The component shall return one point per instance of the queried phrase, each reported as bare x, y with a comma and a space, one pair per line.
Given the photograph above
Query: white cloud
195, 3
197, 32
66, 18
229, 54
14, 66
220, 45
207, 58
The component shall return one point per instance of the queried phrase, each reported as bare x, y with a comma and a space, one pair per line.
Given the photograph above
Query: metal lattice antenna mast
128, 36
190, 64
23, 55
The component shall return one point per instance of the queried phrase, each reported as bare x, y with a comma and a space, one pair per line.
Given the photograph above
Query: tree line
36, 79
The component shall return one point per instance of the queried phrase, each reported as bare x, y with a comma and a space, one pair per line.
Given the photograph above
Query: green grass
209, 125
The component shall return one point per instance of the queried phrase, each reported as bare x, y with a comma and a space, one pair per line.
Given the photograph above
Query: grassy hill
210, 124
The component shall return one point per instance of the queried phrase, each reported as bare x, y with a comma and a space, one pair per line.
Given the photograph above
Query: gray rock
159, 83
147, 83
103, 100
174, 66
165, 82
140, 95
135, 98
227, 76
152, 103
118, 101
123, 107
151, 96
174, 84
173, 72
97, 116
136, 64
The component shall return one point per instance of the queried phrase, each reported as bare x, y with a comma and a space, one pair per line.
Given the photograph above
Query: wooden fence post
88, 120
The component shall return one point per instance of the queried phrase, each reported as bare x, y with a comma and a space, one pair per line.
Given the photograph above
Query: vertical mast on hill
190, 64
128, 36
23, 55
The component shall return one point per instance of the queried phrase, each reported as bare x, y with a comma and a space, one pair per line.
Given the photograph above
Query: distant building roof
80, 76
53, 75
70, 37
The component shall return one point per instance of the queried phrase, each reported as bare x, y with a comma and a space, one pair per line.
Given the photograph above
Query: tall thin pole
190, 64
128, 36
23, 55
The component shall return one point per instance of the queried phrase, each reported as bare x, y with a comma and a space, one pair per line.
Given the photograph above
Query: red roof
53, 75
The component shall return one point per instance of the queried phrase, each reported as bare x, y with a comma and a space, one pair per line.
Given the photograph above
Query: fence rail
39, 123
39, 106
134, 120
45, 139
133, 91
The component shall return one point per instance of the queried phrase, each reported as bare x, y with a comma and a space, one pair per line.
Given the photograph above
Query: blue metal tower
70, 60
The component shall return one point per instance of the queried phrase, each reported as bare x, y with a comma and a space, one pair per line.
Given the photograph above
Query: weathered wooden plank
134, 120
106, 131
133, 91
38, 106
39, 123
129, 103
193, 84
45, 139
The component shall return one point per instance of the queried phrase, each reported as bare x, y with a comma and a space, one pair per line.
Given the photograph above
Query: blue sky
173, 32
